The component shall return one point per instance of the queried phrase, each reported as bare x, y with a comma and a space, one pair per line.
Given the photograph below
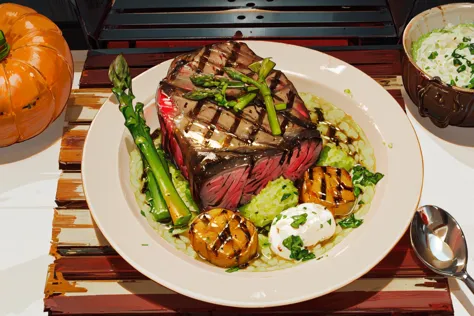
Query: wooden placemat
89, 278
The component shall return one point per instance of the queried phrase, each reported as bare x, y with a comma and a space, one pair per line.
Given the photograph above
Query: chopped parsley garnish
277, 218
471, 48
461, 68
144, 245
299, 220
298, 252
466, 39
233, 269
357, 191
462, 45
457, 62
471, 84
329, 221
321, 225
143, 213
283, 187
351, 222
452, 82
266, 244
285, 196
456, 55
363, 177
361, 202
433, 55
427, 68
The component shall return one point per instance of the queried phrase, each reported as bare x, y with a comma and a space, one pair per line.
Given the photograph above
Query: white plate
105, 174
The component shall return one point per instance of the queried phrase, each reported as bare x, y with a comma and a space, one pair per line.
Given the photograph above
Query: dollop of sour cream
318, 226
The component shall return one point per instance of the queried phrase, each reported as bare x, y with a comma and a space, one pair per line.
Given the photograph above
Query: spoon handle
469, 281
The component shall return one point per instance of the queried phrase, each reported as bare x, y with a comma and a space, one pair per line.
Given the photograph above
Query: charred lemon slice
330, 187
224, 238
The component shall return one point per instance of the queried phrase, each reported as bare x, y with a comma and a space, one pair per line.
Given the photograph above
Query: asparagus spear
119, 75
200, 94
280, 106
266, 94
265, 68
146, 129
209, 80
255, 66
217, 95
244, 100
159, 210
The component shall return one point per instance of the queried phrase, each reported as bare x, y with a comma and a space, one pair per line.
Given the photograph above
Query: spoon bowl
439, 243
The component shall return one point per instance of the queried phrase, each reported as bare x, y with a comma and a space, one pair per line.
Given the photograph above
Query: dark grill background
82, 20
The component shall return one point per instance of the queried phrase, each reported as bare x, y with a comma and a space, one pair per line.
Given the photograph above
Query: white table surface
29, 172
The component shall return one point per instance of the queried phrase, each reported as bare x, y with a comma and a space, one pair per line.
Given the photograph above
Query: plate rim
247, 304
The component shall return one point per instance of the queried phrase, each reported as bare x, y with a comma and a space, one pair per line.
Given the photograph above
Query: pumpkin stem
4, 47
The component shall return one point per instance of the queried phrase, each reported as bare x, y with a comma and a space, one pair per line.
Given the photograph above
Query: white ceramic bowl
105, 172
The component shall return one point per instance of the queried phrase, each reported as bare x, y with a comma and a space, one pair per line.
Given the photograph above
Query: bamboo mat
89, 278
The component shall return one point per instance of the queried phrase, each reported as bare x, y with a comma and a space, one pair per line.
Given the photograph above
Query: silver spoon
439, 242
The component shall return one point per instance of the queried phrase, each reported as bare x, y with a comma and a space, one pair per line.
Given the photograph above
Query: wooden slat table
89, 278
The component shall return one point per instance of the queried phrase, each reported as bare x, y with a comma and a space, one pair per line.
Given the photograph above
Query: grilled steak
229, 156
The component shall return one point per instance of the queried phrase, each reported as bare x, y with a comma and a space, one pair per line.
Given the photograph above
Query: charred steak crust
229, 156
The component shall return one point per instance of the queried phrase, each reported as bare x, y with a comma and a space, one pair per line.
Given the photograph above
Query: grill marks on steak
228, 157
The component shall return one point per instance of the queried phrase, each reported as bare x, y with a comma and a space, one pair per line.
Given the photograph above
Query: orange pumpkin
36, 72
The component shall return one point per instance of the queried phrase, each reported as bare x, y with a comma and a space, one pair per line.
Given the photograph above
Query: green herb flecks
299, 220
298, 252
285, 196
433, 55
277, 218
357, 191
456, 55
363, 177
466, 39
462, 45
461, 68
457, 62
350, 222
471, 84
233, 269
